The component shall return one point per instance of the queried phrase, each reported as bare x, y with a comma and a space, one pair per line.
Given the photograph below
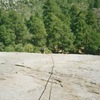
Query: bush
9, 48
19, 48
28, 47
46, 50
1, 46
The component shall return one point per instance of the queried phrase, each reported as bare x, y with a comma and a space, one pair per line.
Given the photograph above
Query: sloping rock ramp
29, 76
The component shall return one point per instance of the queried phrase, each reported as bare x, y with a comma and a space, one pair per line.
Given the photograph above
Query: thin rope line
50, 89
45, 87
48, 82
52, 79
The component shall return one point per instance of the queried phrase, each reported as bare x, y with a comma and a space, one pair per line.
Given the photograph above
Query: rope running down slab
51, 73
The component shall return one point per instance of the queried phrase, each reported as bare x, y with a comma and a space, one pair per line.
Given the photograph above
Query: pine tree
97, 3
79, 27
17, 24
37, 30
93, 44
91, 19
59, 37
7, 36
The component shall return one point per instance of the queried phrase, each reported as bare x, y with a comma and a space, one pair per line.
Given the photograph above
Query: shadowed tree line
67, 26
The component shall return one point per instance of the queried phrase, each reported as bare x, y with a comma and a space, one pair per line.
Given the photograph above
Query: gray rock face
28, 76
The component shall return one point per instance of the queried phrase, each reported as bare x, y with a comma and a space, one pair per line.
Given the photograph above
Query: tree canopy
59, 26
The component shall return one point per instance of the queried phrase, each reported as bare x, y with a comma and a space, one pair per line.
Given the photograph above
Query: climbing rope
52, 79
51, 73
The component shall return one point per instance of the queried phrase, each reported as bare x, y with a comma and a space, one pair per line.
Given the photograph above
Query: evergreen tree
37, 30
17, 24
54, 24
59, 34
74, 11
6, 36
93, 43
91, 19
97, 3
79, 27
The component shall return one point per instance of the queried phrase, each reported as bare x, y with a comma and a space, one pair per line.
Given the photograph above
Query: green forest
58, 26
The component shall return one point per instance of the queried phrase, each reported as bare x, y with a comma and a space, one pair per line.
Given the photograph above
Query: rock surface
29, 76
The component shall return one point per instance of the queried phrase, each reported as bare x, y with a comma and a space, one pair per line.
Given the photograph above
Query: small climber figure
42, 50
